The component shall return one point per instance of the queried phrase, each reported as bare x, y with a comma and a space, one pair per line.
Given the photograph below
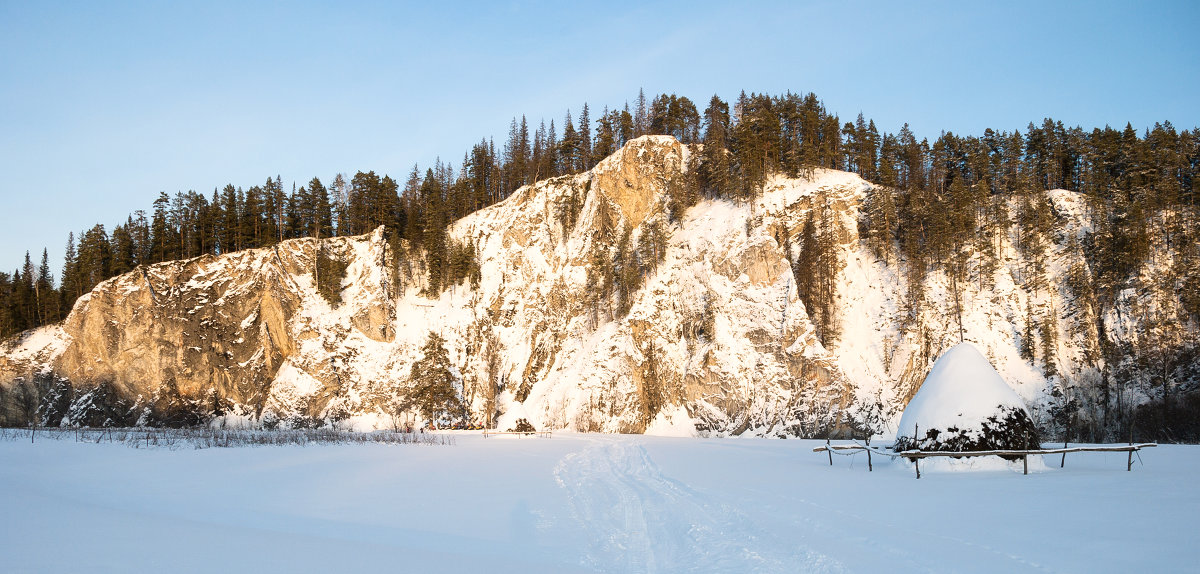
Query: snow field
585, 503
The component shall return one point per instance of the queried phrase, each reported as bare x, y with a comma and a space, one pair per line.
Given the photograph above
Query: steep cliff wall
601, 305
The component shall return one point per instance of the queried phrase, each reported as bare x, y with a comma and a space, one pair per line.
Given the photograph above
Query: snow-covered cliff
711, 336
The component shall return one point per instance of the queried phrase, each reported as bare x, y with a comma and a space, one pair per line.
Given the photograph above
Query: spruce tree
641, 119
47, 295
626, 127
70, 288
1048, 346
340, 208
434, 391
7, 324
606, 135
586, 161
122, 250
159, 232
715, 162
568, 148
27, 295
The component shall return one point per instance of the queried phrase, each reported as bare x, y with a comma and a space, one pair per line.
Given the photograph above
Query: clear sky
103, 105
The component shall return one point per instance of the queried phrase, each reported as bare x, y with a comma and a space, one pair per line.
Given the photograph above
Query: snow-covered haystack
964, 405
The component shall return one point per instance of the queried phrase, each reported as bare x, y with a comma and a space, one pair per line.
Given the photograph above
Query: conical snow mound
965, 405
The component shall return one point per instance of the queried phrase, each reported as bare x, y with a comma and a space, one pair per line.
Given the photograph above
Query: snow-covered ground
583, 503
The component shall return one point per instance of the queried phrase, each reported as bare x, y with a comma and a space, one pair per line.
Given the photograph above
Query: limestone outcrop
602, 304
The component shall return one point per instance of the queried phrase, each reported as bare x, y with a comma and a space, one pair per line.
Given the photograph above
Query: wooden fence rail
916, 455
542, 434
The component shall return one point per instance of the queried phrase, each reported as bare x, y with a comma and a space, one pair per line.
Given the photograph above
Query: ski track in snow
644, 521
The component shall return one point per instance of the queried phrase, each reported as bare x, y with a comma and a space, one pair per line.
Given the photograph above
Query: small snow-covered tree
965, 405
434, 392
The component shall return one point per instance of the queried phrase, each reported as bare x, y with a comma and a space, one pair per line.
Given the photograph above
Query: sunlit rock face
604, 302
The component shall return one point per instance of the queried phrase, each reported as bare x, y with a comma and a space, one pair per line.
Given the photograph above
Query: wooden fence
542, 434
916, 455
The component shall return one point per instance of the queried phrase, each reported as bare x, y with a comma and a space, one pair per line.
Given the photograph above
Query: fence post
917, 464
1066, 438
1129, 466
829, 451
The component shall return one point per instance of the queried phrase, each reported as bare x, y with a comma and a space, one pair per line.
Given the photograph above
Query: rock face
203, 335
601, 305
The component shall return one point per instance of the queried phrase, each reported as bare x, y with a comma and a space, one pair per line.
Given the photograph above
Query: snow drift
965, 405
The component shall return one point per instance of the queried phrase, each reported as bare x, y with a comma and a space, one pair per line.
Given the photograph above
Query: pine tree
95, 258
1048, 346
551, 167
626, 128
1027, 343
586, 161
628, 272
517, 156
715, 161
433, 238
273, 200
651, 395
139, 233
122, 250
755, 143
881, 222
47, 296
805, 267
685, 120
27, 295
329, 272
641, 119
659, 115
434, 392
568, 148
160, 236
7, 324
387, 203
70, 288
320, 216
294, 222
340, 209
606, 135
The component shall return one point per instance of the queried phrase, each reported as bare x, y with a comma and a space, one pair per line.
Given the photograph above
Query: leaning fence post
869, 469
1129, 466
1025, 457
917, 460
1064, 458
829, 451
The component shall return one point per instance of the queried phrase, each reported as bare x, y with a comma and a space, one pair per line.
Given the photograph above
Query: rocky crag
605, 301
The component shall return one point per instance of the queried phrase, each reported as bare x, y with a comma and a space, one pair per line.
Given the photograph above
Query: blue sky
104, 105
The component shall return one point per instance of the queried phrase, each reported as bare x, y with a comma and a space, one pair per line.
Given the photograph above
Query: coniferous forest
933, 198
